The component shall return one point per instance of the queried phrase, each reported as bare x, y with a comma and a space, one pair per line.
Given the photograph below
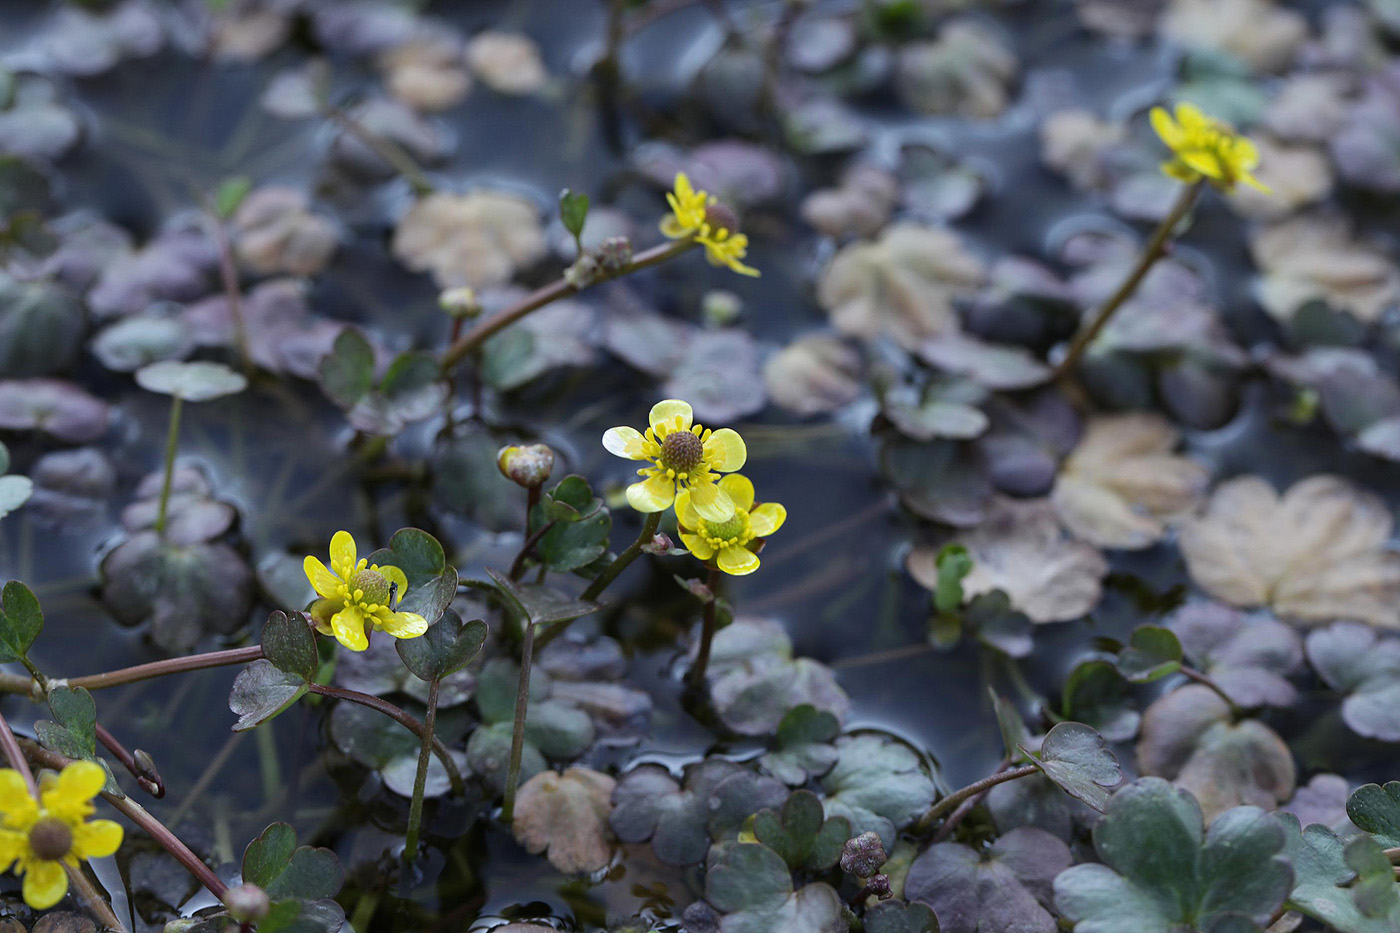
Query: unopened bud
879, 886
721, 217
583, 273
247, 903
721, 307
659, 544
460, 302
614, 254
863, 855
528, 465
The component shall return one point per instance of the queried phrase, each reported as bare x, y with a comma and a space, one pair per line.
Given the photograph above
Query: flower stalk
172, 442
401, 717
695, 677
629, 554
950, 802
420, 777
517, 738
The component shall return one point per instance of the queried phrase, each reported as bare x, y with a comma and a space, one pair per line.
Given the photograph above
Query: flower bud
721, 307
721, 216
247, 903
863, 855
614, 254
659, 544
879, 886
583, 273
460, 302
528, 465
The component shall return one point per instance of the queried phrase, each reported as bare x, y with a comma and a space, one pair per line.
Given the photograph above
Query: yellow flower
695, 214
731, 544
687, 209
723, 248
355, 595
684, 455
40, 836
1203, 147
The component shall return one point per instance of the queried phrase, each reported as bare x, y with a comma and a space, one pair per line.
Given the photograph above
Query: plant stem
92, 899
10, 745
403, 719
517, 738
1190, 673
172, 441
228, 275
145, 775
976, 787
628, 555
140, 672
537, 299
1393, 854
420, 779
1156, 247
141, 817
964, 808
695, 677
385, 148
517, 566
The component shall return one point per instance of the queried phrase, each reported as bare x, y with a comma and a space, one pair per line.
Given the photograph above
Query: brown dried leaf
477, 239
1315, 256
568, 815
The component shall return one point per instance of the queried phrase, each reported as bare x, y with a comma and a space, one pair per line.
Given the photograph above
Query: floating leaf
1191, 737
275, 863
1161, 870
1313, 554
432, 583
347, 372
41, 327
813, 375
568, 815
1005, 888
1325, 873
804, 745
1152, 653
991, 366
14, 492
1077, 759
57, 408
141, 339
381, 744
750, 884
880, 785
965, 71
1248, 656
942, 481
1096, 694
477, 239
276, 233
446, 647
1351, 658
261, 691
193, 382
412, 389
754, 679
800, 833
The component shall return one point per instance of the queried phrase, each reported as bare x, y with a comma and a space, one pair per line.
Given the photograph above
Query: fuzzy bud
247, 903
583, 273
659, 544
721, 307
528, 465
614, 254
460, 302
863, 855
879, 886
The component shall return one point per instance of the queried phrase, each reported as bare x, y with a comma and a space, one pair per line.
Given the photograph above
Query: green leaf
14, 492
1162, 871
571, 500
541, 605
275, 863
446, 647
41, 326
1097, 695
1152, 653
432, 582
895, 917
297, 916
804, 745
1014, 733
21, 621
1376, 810
572, 546
261, 691
201, 381
800, 833
74, 729
993, 887
412, 389
288, 643
231, 193
347, 372
751, 885
953, 564
573, 211
1077, 759
1326, 874
880, 785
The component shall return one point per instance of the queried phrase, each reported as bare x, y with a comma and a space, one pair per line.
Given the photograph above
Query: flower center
370, 586
51, 839
681, 451
721, 217
729, 530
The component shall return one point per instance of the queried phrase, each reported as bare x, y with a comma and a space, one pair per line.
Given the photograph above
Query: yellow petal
1180, 171
712, 503
348, 626
673, 413
682, 186
396, 577
1206, 163
686, 515
624, 442
45, 883
403, 624
698, 547
672, 228
343, 554
652, 495
766, 519
725, 451
739, 490
96, 839
1193, 121
1166, 128
737, 561
1255, 183
12, 846
18, 806
325, 583
77, 784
